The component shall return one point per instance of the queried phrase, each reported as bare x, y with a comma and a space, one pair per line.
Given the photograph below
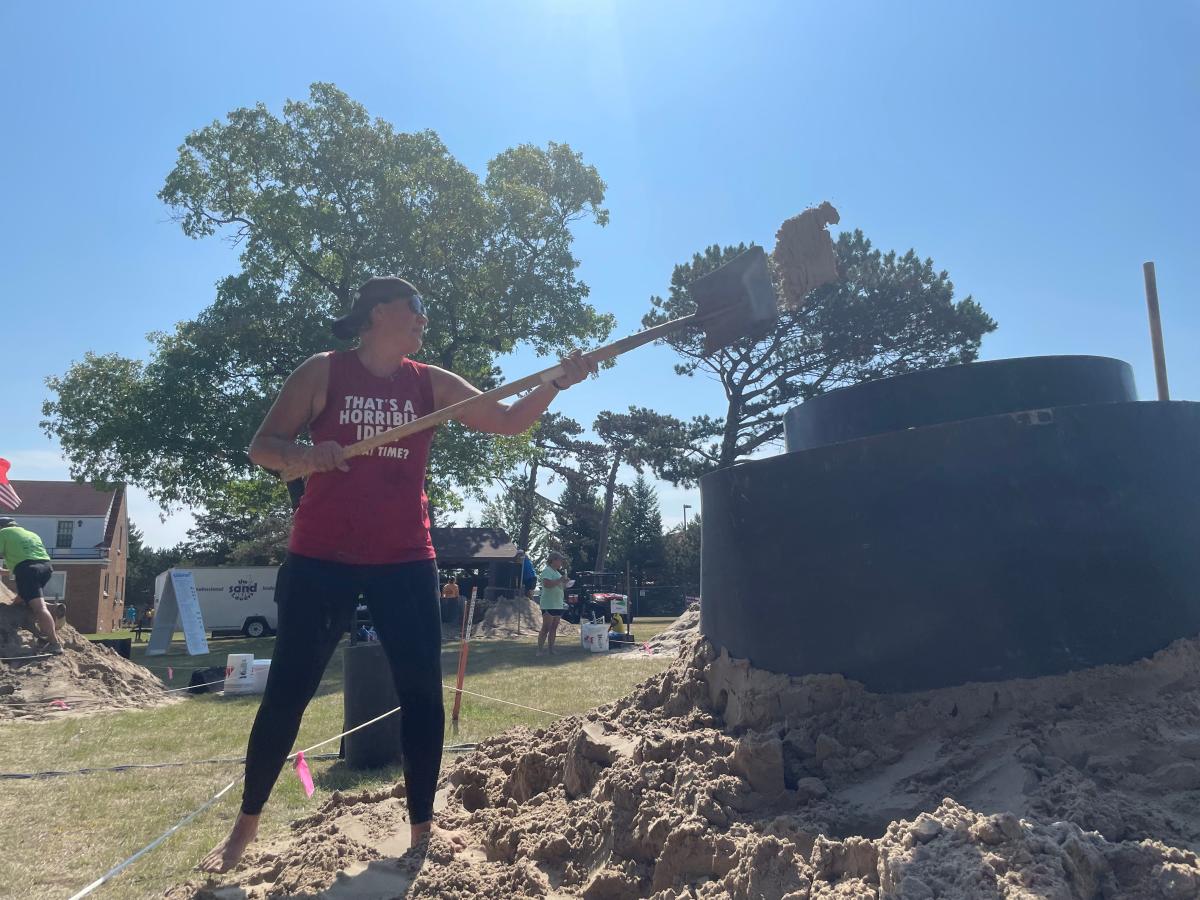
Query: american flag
8, 496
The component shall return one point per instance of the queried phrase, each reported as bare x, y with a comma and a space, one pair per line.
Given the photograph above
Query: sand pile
513, 617
669, 641
718, 780
90, 677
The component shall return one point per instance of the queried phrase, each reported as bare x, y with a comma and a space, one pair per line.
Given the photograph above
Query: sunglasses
415, 302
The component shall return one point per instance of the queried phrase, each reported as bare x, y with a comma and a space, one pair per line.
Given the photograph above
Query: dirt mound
669, 641
715, 779
517, 617
87, 676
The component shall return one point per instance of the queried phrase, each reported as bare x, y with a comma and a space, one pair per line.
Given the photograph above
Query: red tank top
377, 513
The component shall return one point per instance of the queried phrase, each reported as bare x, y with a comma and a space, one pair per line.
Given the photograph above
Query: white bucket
239, 673
261, 668
594, 637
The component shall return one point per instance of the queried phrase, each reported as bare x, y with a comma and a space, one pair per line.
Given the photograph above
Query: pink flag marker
646, 647
304, 774
60, 704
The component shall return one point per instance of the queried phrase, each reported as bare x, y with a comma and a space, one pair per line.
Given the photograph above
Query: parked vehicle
597, 595
233, 600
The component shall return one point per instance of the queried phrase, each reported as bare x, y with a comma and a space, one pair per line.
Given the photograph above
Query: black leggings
316, 602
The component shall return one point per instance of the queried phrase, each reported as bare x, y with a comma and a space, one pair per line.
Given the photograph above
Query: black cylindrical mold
369, 692
1000, 547
953, 393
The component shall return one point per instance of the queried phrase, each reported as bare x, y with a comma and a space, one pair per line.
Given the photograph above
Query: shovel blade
736, 301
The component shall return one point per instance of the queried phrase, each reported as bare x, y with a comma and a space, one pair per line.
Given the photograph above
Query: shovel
733, 302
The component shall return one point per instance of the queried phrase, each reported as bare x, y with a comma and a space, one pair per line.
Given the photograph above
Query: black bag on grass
200, 682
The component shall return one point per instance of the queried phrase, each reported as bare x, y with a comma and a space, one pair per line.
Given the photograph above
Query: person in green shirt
26, 558
552, 600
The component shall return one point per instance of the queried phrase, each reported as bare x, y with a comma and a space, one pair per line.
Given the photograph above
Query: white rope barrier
121, 866
544, 712
49, 701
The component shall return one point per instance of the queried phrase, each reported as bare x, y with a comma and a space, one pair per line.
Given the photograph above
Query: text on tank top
377, 513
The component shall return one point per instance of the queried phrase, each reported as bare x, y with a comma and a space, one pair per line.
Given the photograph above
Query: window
56, 587
66, 532
105, 584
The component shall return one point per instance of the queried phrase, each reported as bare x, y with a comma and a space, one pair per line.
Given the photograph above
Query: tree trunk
610, 489
528, 506
733, 419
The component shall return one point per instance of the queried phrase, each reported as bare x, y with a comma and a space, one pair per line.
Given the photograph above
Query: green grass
64, 832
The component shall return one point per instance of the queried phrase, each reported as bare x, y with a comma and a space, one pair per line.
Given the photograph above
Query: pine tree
637, 526
577, 523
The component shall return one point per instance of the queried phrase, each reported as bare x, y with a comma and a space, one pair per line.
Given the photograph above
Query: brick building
86, 532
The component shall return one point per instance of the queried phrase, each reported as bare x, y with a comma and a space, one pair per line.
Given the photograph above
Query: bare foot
226, 854
426, 830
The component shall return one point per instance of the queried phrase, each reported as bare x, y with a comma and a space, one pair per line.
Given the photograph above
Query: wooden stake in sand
1156, 338
463, 649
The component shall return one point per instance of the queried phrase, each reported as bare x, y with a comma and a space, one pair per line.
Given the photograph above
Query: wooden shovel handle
599, 355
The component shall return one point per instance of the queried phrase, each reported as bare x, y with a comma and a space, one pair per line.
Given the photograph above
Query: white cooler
239, 673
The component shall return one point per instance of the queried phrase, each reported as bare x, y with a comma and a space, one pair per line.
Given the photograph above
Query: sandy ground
90, 677
718, 780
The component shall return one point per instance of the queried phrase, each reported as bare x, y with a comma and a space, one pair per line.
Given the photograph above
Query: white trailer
233, 599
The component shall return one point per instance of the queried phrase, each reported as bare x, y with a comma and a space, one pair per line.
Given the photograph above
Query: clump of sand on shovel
804, 255
89, 677
716, 779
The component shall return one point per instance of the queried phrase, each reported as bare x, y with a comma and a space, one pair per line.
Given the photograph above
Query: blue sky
1038, 152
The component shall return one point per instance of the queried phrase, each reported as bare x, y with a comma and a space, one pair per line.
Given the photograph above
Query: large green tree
638, 438
637, 531
521, 513
888, 314
246, 523
554, 441
318, 199
577, 518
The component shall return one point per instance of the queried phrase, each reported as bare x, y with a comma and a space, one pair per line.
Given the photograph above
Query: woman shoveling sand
362, 527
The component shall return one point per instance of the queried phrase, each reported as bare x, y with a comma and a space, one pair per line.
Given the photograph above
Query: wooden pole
463, 649
1156, 338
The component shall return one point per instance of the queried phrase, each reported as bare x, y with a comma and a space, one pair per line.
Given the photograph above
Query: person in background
130, 615
529, 576
26, 558
145, 621
451, 600
552, 600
